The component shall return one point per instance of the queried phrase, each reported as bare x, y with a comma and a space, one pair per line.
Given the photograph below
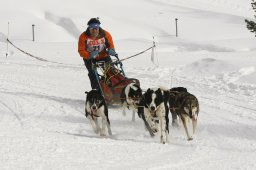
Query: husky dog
172, 103
155, 102
95, 108
186, 106
130, 98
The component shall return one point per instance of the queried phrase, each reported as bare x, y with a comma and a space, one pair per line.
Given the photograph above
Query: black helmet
94, 22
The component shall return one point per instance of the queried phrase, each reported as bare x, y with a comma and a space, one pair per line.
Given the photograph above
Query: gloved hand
112, 52
93, 61
94, 54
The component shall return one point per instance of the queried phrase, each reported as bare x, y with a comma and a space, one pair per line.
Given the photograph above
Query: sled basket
112, 80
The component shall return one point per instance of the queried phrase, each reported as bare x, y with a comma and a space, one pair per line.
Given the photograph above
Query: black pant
91, 74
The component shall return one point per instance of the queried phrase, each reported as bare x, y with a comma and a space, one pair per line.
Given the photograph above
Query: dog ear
148, 90
147, 93
184, 89
159, 91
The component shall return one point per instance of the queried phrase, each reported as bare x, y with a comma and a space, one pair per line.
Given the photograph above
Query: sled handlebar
103, 63
117, 62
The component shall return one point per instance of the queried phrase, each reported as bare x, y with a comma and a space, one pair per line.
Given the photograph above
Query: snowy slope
42, 120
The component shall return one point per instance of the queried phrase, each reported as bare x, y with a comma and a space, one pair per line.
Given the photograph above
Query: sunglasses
94, 28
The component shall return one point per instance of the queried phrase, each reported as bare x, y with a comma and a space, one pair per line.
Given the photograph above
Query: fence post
33, 32
176, 22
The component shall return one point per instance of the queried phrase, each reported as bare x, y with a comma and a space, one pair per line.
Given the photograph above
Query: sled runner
112, 79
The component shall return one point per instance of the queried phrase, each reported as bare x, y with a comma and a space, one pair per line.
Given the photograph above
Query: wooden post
176, 22
33, 32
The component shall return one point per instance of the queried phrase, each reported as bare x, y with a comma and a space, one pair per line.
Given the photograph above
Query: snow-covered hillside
42, 120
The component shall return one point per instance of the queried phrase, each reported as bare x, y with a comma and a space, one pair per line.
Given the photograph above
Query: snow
42, 118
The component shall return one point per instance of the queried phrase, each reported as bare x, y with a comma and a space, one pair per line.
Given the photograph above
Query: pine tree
251, 25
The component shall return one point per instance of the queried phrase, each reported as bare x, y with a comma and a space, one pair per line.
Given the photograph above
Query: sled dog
172, 103
130, 98
186, 106
96, 108
155, 110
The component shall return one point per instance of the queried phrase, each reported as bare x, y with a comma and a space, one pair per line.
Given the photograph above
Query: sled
112, 79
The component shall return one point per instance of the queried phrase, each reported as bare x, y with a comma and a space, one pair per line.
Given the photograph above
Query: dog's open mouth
153, 113
94, 110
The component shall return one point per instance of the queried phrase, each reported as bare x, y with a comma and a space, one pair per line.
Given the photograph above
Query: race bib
96, 45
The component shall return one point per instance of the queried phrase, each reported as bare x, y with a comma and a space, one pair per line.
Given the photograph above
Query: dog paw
175, 124
154, 130
189, 139
96, 131
103, 134
110, 133
124, 113
163, 141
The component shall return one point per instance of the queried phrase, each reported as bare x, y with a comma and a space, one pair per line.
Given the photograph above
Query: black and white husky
130, 98
186, 106
155, 102
95, 108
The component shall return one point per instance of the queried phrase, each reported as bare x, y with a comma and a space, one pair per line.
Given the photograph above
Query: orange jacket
86, 44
